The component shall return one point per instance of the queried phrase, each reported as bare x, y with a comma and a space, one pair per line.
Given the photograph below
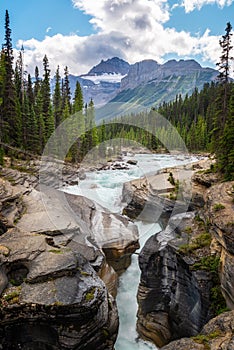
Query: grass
218, 207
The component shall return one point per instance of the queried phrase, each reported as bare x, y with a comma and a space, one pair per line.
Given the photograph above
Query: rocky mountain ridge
146, 82
113, 65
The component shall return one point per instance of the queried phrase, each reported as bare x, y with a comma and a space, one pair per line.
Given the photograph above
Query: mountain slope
163, 83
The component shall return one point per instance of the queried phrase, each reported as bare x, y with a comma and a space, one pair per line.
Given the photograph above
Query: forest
30, 111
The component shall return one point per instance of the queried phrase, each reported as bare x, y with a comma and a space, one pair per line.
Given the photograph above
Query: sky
79, 33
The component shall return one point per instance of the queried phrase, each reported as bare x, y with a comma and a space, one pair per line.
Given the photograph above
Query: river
105, 187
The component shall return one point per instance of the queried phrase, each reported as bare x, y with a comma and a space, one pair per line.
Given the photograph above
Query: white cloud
191, 5
130, 29
48, 29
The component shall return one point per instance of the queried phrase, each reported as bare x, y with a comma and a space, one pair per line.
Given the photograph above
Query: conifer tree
46, 102
66, 91
224, 69
78, 101
57, 99
79, 124
10, 121
223, 115
37, 83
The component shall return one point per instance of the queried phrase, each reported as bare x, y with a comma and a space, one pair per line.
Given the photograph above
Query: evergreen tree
223, 116
66, 91
224, 69
46, 102
226, 158
78, 101
57, 100
2, 79
9, 113
79, 124
37, 83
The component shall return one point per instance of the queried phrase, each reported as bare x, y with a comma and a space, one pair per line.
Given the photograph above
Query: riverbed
105, 187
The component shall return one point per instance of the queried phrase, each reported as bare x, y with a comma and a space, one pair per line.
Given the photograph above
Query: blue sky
79, 33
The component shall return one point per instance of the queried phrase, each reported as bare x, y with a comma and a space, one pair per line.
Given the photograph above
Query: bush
208, 263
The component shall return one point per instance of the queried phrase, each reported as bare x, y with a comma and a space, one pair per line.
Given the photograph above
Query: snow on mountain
105, 77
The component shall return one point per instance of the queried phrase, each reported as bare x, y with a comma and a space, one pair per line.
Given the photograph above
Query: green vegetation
30, 112
90, 294
200, 241
13, 296
218, 207
55, 251
205, 339
208, 263
218, 302
171, 179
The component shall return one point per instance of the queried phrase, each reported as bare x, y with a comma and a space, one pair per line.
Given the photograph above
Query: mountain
149, 83
146, 83
113, 65
102, 82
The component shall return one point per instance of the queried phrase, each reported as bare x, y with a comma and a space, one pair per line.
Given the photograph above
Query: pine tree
78, 101
57, 100
2, 79
32, 132
79, 124
224, 69
66, 91
46, 102
10, 121
37, 83
223, 116
226, 159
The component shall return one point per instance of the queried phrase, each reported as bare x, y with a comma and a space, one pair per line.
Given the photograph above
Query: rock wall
51, 294
173, 300
178, 274
219, 211
217, 334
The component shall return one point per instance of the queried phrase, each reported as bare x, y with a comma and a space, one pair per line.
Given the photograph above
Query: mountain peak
112, 65
182, 64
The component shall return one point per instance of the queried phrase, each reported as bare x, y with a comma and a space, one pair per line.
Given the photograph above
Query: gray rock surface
171, 301
51, 294
217, 334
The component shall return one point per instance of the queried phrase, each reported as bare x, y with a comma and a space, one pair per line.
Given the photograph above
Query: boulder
116, 235
52, 298
217, 334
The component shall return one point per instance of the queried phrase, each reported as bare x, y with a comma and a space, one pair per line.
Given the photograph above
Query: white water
105, 187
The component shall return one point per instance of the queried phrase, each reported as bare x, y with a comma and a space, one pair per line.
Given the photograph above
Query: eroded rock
61, 301
217, 334
171, 303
